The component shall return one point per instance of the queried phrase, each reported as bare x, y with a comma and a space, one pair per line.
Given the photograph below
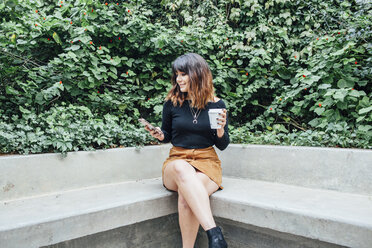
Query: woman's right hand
158, 134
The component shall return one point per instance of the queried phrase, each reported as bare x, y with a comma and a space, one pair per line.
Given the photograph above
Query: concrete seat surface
53, 218
336, 217
284, 208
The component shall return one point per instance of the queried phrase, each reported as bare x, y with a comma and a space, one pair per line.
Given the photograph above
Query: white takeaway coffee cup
214, 114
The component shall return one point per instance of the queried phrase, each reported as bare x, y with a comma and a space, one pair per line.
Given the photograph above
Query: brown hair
200, 90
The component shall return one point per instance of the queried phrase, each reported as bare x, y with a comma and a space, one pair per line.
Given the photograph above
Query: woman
193, 168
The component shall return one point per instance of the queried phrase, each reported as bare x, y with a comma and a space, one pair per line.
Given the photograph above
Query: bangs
182, 63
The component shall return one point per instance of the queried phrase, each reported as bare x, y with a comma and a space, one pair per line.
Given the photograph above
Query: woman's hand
158, 134
222, 122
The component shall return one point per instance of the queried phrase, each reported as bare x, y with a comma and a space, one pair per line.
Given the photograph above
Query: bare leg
189, 224
181, 176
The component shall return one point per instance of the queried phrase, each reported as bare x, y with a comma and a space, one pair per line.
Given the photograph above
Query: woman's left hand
222, 122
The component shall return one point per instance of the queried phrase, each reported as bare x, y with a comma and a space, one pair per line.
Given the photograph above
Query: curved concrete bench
318, 193
313, 196
333, 217
46, 199
49, 219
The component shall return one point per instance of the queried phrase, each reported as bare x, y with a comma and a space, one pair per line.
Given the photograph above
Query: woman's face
183, 81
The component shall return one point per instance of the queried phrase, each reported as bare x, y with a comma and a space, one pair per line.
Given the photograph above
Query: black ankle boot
215, 238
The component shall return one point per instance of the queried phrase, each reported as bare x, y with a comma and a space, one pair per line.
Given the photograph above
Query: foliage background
76, 75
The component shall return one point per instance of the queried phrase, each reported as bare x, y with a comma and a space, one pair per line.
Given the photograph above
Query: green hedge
285, 68
67, 128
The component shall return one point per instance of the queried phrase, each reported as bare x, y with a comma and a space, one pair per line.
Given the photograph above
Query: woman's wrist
220, 132
161, 137
158, 134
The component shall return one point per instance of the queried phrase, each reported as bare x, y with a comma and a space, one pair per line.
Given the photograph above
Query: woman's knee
181, 169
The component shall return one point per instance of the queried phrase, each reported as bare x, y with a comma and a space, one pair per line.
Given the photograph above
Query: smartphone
146, 123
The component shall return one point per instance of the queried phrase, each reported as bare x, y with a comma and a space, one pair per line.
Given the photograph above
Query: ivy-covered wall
291, 72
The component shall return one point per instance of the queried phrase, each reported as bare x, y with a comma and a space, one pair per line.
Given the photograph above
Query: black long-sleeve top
179, 129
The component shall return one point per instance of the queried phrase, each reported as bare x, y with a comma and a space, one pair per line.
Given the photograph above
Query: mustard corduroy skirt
205, 160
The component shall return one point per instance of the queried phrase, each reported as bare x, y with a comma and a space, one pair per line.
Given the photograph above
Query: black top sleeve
166, 125
224, 141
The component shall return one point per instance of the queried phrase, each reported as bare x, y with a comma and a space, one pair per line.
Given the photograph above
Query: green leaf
362, 83
102, 68
284, 73
324, 86
354, 93
340, 95
339, 52
365, 110
129, 62
280, 128
296, 110
158, 109
314, 122
71, 55
361, 118
328, 80
11, 91
161, 81
319, 111
330, 92
364, 102
116, 61
75, 47
39, 98
23, 110
113, 69
312, 79
148, 88
342, 105
21, 42
56, 38
344, 84
114, 76
364, 128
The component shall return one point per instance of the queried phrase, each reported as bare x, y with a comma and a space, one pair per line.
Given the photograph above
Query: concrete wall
164, 232
345, 170
30, 175
161, 232
239, 235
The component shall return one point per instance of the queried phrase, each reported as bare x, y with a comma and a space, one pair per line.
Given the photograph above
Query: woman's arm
222, 139
166, 124
163, 134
